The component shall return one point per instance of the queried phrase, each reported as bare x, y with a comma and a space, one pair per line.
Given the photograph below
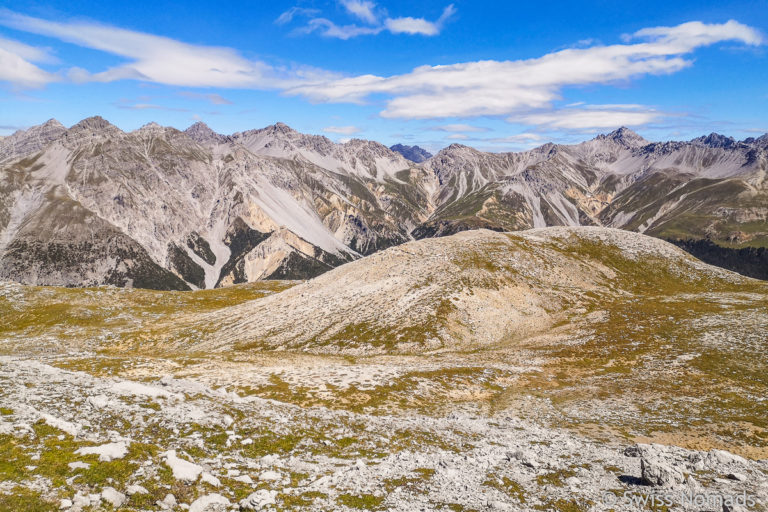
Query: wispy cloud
327, 28
526, 87
215, 99
519, 138
587, 120
291, 13
374, 21
589, 117
342, 130
458, 128
149, 106
17, 65
362, 9
156, 58
420, 26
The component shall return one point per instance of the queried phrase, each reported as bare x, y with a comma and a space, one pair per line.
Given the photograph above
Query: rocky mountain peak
412, 153
151, 128
762, 141
201, 132
24, 142
625, 137
715, 140
281, 128
52, 124
94, 123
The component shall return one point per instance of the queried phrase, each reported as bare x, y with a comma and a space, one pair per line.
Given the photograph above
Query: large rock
658, 470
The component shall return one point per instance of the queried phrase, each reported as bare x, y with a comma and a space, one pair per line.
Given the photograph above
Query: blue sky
495, 75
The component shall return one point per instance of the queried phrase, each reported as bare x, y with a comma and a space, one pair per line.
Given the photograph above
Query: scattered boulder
269, 476
259, 500
106, 452
724, 457
182, 469
524, 457
169, 502
210, 503
135, 489
244, 479
209, 479
113, 497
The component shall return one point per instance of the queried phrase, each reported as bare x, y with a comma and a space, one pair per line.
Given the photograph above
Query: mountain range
168, 209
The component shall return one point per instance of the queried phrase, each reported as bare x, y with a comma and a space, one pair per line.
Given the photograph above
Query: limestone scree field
562, 369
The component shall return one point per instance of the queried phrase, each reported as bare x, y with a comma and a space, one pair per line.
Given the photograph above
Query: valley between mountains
177, 210
560, 368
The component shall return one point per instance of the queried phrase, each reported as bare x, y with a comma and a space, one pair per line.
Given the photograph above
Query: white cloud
362, 9
408, 25
159, 59
17, 68
695, 33
524, 86
368, 12
458, 128
457, 136
342, 130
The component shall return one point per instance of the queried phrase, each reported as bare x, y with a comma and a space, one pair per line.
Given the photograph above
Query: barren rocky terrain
561, 369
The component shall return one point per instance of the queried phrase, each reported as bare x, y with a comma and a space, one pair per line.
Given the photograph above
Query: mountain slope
474, 289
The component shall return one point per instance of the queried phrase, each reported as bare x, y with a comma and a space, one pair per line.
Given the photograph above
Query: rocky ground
83, 442
634, 395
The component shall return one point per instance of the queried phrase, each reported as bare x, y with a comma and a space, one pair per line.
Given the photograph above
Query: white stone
106, 452
258, 500
136, 489
210, 479
269, 476
112, 496
209, 503
182, 469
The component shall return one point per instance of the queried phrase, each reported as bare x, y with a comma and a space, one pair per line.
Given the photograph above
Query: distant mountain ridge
163, 208
412, 153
